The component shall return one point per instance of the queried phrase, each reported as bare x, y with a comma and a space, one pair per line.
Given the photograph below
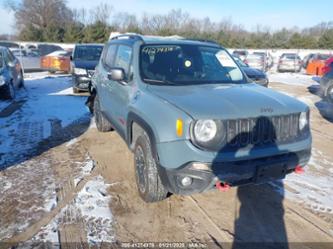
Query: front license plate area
269, 173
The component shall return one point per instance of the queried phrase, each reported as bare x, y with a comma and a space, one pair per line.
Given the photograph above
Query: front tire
21, 79
9, 92
103, 125
148, 181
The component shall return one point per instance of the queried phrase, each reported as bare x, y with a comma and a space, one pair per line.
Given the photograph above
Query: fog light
186, 181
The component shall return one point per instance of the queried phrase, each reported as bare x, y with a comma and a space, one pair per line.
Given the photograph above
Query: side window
123, 58
109, 56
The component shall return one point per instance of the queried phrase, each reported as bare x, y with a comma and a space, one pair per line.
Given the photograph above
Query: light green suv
192, 117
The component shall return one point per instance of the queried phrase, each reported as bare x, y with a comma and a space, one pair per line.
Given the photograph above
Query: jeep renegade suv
193, 119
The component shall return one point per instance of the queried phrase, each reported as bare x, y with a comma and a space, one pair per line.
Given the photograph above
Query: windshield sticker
225, 59
154, 50
188, 63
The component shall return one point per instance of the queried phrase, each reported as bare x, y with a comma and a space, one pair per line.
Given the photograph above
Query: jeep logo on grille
266, 109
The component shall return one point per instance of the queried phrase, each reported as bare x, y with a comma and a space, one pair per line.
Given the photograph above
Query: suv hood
253, 72
89, 65
228, 101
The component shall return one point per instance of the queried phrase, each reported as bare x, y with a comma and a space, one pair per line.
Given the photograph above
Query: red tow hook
299, 170
222, 186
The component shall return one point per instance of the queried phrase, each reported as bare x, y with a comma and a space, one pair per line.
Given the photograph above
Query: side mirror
117, 74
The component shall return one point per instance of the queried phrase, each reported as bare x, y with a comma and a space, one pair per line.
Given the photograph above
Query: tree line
54, 21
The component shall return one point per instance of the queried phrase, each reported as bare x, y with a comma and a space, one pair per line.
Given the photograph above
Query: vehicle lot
62, 181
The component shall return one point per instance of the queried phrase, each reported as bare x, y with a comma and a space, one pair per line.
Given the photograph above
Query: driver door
119, 91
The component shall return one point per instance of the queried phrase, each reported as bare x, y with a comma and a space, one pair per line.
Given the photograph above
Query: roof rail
203, 40
116, 35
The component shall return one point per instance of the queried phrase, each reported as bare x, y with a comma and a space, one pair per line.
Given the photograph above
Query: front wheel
9, 91
148, 181
21, 79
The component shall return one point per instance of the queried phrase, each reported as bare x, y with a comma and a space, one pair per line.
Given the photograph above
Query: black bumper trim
234, 173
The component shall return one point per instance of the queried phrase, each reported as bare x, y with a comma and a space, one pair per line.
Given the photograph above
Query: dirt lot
62, 181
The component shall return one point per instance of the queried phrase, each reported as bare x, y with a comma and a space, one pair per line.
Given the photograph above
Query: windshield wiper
160, 81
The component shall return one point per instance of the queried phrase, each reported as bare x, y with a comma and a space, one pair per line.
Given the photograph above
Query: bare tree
101, 13
40, 13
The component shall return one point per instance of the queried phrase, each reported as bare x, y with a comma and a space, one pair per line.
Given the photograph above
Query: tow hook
299, 170
222, 186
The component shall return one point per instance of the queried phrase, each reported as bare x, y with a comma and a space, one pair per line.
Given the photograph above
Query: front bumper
81, 82
234, 167
235, 173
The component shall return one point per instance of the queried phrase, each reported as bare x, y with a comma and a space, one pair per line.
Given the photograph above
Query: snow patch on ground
93, 123
92, 206
314, 187
292, 79
6, 185
71, 142
27, 191
46, 110
85, 170
67, 91
48, 233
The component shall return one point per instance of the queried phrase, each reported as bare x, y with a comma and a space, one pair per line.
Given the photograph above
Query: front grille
262, 130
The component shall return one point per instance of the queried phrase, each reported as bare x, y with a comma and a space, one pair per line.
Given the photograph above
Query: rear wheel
148, 181
103, 125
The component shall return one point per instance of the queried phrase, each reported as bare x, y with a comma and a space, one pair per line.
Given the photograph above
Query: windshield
290, 56
88, 53
323, 57
240, 62
188, 64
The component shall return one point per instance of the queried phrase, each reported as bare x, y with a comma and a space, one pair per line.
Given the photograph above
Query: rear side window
110, 56
123, 58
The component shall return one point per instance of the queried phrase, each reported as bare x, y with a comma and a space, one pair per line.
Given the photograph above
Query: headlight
2, 80
80, 71
303, 120
208, 133
205, 130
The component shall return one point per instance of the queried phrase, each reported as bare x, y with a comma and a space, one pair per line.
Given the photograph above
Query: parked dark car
326, 82
83, 62
11, 75
254, 74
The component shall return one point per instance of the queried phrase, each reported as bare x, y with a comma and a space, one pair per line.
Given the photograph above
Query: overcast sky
272, 13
